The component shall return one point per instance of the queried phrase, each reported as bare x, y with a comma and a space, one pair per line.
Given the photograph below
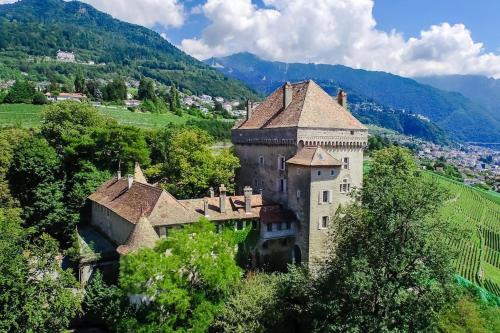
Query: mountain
481, 89
462, 118
32, 31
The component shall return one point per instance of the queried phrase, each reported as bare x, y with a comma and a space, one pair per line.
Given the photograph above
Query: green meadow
27, 115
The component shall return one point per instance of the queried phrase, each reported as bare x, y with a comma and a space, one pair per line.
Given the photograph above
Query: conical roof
142, 236
138, 174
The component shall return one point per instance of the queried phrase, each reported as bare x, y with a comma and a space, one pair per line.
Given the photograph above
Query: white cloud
168, 13
3, 2
340, 31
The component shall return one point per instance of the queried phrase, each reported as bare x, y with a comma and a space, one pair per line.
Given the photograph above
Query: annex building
301, 153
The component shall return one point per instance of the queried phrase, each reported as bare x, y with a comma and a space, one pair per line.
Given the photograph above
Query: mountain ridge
34, 29
459, 116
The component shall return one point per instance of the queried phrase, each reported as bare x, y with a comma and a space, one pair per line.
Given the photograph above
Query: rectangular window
282, 185
325, 196
345, 187
319, 173
332, 172
270, 227
345, 164
254, 225
324, 222
281, 163
298, 194
261, 160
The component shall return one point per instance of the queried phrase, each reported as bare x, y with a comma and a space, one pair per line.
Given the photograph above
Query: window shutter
320, 199
319, 223
330, 196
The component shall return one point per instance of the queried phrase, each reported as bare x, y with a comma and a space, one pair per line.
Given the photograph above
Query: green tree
20, 92
185, 278
146, 89
36, 294
79, 82
175, 102
64, 121
190, 166
389, 267
116, 90
39, 99
110, 147
35, 180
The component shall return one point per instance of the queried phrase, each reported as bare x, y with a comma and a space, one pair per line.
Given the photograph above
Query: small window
332, 172
281, 163
319, 172
352, 132
345, 164
261, 160
282, 185
254, 225
270, 227
345, 187
325, 196
324, 222
288, 225
298, 194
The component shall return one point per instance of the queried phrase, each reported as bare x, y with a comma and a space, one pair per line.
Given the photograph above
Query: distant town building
66, 97
132, 103
66, 56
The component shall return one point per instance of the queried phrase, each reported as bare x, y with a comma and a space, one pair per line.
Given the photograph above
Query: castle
301, 153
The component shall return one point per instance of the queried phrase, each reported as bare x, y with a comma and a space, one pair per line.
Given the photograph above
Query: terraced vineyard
478, 218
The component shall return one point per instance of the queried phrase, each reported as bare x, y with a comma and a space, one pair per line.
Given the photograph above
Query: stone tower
303, 149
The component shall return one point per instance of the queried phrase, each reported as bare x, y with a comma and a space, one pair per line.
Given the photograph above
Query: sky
405, 37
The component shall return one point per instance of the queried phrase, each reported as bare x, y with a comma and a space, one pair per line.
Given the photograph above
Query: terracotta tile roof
139, 175
311, 107
131, 203
161, 208
142, 236
235, 208
314, 156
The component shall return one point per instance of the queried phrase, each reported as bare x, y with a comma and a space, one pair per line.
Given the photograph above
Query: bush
20, 92
40, 99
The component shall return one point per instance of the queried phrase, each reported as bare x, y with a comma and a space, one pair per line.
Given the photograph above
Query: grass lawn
27, 115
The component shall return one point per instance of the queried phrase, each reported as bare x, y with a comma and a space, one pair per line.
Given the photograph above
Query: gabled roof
131, 203
311, 107
314, 156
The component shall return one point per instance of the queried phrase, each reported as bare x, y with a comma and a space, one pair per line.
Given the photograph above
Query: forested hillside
32, 31
462, 118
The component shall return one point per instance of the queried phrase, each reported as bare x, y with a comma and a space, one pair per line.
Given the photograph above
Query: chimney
342, 99
205, 206
249, 109
248, 199
287, 94
119, 174
211, 192
130, 181
222, 198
